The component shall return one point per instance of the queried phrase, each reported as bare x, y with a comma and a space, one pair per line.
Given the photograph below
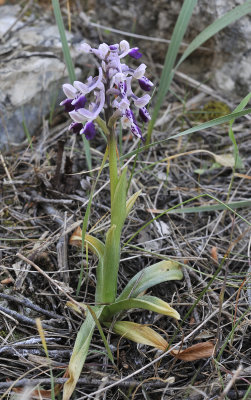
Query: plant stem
113, 169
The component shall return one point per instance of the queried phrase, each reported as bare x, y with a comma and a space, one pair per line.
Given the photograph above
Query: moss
3, 333
211, 110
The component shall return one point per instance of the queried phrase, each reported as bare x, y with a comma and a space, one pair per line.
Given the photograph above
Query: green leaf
197, 128
160, 272
101, 334
130, 202
243, 103
80, 352
108, 271
150, 303
179, 30
212, 207
118, 212
107, 277
66, 51
95, 245
167, 73
69, 65
140, 334
215, 27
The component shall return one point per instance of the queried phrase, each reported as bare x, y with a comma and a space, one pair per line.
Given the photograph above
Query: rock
32, 72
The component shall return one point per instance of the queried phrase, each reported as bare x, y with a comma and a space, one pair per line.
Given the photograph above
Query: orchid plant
105, 100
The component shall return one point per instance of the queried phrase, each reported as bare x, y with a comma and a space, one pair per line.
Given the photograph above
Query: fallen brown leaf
195, 352
7, 281
214, 254
76, 237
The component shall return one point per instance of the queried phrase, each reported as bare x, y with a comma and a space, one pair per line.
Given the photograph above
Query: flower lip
136, 131
75, 127
144, 114
79, 102
67, 103
145, 84
134, 53
89, 130
114, 47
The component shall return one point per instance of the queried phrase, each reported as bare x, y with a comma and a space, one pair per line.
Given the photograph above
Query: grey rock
32, 72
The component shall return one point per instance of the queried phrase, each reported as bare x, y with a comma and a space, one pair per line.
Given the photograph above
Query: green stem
112, 146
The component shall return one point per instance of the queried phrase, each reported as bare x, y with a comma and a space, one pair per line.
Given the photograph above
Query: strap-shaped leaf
80, 352
130, 202
94, 244
140, 334
106, 289
118, 212
150, 303
107, 271
160, 272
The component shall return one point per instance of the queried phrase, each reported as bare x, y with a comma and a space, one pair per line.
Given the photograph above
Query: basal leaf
107, 277
94, 244
80, 352
140, 334
118, 212
150, 303
160, 272
130, 202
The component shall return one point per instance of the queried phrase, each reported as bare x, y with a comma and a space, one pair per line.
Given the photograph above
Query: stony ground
45, 187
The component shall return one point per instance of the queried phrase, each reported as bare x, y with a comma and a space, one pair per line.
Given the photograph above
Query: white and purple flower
110, 89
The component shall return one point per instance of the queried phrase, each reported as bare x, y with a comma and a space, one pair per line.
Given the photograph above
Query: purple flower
89, 130
134, 53
67, 105
145, 84
79, 102
111, 89
75, 127
144, 114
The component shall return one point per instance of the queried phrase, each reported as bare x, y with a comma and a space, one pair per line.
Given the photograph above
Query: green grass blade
66, 51
169, 210
215, 27
86, 219
26, 130
240, 107
69, 65
87, 152
213, 207
204, 125
109, 353
167, 74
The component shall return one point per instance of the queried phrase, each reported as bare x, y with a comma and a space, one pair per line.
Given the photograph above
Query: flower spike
111, 88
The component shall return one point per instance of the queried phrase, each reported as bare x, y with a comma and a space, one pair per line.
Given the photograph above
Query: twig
9, 177
50, 280
27, 303
230, 383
